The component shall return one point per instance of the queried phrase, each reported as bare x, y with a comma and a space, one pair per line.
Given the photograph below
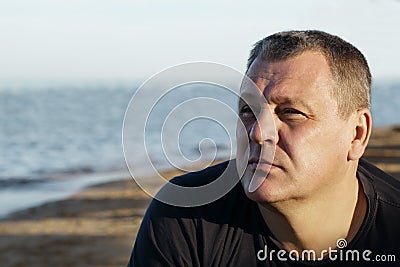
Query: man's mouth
260, 169
261, 165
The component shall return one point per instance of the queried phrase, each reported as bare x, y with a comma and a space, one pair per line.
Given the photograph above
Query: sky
112, 41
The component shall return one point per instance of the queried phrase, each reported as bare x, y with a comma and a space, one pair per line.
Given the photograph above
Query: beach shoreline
94, 227
98, 225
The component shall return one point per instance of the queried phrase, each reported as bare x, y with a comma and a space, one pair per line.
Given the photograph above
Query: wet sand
97, 227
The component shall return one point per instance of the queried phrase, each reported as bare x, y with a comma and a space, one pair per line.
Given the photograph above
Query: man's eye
291, 113
246, 112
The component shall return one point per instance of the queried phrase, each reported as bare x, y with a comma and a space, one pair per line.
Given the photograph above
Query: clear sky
120, 40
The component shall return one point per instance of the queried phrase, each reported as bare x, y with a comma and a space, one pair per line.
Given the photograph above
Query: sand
97, 227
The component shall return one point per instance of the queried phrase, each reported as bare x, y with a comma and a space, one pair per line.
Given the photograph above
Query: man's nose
263, 129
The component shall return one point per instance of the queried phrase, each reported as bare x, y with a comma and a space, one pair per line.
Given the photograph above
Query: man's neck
317, 224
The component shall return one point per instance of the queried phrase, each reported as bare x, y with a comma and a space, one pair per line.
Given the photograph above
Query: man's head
310, 106
348, 66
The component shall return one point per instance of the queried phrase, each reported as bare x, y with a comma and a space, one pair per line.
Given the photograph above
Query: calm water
76, 131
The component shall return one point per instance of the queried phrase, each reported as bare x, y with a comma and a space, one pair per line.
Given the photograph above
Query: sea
56, 140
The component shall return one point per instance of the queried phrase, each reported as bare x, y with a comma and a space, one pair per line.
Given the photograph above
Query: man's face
311, 141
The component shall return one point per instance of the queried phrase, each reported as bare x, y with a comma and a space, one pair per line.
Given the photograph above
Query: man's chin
254, 188
253, 179
265, 192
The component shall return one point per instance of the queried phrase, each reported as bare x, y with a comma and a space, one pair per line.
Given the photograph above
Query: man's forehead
306, 62
264, 71
257, 85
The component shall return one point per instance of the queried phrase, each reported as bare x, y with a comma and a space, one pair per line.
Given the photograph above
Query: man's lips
257, 164
260, 169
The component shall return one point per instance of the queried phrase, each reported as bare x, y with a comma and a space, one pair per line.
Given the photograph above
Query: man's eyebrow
281, 100
278, 100
250, 97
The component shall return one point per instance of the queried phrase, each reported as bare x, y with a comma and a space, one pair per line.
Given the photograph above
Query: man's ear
361, 133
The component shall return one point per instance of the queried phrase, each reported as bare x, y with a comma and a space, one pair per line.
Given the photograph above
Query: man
314, 201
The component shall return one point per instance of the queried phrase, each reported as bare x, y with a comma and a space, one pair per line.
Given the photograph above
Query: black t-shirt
231, 231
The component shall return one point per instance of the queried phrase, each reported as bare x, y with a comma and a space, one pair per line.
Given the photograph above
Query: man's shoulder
202, 177
383, 194
202, 234
226, 208
386, 187
167, 228
214, 186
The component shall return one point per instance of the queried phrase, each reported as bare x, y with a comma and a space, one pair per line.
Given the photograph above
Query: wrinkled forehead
303, 79
309, 67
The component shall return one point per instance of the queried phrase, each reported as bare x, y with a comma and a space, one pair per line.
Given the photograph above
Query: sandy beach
97, 226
